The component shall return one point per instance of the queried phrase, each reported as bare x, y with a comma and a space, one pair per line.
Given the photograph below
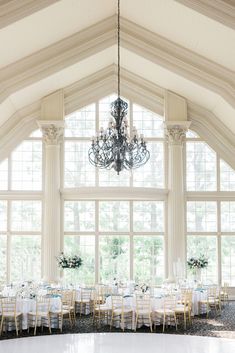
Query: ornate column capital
175, 131
52, 131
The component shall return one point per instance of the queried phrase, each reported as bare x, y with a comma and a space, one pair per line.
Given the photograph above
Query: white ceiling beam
102, 35
14, 10
219, 10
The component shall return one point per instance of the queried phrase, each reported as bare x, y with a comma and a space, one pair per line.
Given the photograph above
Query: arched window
111, 225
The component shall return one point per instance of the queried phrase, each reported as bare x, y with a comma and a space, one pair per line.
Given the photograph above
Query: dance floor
118, 342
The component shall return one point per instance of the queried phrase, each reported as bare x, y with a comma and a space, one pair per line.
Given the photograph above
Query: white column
52, 137
175, 132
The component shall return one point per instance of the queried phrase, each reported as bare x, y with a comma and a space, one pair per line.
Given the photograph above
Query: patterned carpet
220, 326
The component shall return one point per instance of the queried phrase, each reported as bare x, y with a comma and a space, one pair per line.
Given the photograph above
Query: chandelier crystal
115, 148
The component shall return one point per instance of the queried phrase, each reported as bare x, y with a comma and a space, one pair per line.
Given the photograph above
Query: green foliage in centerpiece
200, 262
68, 261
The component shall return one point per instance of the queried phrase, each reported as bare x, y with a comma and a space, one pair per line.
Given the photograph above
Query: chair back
169, 303
143, 303
42, 305
8, 305
117, 301
86, 294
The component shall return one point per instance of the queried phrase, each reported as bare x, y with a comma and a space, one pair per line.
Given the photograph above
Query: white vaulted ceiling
50, 44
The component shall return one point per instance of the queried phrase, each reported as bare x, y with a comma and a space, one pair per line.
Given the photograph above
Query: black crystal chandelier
114, 148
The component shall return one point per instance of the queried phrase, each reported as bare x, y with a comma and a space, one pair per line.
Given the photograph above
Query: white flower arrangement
66, 261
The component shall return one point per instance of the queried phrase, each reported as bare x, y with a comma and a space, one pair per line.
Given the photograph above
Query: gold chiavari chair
101, 311
41, 315
9, 314
68, 302
143, 311
121, 314
167, 314
184, 308
86, 301
60, 314
224, 293
212, 301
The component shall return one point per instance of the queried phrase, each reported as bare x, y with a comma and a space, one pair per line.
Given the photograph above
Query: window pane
148, 259
114, 216
3, 258
201, 167
4, 175
25, 258
228, 259
191, 134
104, 110
147, 122
79, 216
26, 216
227, 177
111, 178
152, 173
228, 216
114, 258
204, 245
81, 123
148, 216
27, 166
201, 216
3, 216
83, 246
77, 169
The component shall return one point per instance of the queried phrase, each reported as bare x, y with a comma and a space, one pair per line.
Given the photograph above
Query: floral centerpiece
68, 261
196, 264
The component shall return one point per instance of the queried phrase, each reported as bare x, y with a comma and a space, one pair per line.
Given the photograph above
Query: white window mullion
131, 243
97, 257
8, 240
219, 257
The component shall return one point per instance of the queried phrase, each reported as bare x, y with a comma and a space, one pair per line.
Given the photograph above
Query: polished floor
118, 343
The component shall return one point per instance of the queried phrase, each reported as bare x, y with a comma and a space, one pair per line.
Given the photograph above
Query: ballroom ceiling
49, 44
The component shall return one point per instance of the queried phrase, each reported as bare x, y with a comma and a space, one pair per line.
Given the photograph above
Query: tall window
210, 219
129, 236
20, 218
115, 237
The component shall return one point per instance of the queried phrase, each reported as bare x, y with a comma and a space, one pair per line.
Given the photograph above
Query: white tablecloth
157, 303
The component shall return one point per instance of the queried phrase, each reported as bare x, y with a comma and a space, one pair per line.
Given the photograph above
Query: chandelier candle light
114, 148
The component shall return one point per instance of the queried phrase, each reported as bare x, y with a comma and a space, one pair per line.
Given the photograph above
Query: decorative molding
56, 57
14, 10
104, 192
100, 36
17, 128
180, 60
52, 131
176, 131
212, 130
219, 10
102, 83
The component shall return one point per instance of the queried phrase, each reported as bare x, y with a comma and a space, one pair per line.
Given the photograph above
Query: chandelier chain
116, 147
118, 34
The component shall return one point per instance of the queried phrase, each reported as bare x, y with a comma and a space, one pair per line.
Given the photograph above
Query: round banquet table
157, 303
26, 305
